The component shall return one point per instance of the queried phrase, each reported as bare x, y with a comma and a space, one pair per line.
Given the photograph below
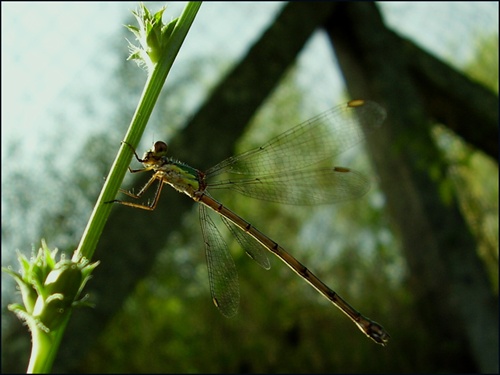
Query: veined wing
307, 144
222, 273
253, 249
306, 187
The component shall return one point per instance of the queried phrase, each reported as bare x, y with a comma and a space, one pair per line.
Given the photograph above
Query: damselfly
293, 168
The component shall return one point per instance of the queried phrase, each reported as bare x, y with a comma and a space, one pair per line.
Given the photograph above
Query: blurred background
418, 253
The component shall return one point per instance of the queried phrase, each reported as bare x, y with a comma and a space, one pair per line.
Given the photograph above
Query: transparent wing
253, 249
316, 186
292, 168
222, 273
313, 141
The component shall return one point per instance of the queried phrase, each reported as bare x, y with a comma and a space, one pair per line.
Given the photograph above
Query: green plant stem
148, 99
46, 345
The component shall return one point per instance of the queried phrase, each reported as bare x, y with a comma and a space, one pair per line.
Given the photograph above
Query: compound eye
160, 147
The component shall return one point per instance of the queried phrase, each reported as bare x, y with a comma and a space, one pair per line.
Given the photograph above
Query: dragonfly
293, 168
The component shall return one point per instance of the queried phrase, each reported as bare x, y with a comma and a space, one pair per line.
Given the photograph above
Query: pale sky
54, 48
